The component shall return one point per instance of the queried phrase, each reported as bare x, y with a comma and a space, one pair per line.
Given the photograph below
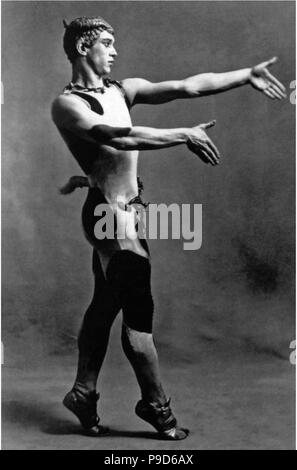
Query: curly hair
86, 29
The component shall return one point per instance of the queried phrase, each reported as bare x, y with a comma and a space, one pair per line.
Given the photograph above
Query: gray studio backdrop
238, 288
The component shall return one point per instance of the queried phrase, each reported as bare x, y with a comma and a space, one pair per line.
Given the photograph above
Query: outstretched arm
69, 113
143, 91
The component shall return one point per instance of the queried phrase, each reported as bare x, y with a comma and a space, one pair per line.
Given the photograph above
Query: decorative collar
101, 89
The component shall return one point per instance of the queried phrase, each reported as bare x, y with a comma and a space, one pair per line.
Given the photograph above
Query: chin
104, 72
106, 69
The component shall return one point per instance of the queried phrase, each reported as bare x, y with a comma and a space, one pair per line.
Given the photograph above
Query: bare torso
113, 171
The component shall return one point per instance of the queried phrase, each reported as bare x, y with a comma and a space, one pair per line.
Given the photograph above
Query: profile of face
101, 55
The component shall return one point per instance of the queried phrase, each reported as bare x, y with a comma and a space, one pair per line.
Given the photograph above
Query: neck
86, 77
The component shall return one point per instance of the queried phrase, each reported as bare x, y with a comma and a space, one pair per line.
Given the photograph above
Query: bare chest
110, 106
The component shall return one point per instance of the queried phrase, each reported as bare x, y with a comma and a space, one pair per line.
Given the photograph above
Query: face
102, 54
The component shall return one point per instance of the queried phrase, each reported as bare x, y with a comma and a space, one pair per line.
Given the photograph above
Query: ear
81, 48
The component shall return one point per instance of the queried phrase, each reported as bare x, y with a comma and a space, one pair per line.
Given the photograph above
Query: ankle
83, 388
155, 398
156, 402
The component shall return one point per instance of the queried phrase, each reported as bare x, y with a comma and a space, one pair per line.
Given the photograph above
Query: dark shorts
107, 246
126, 282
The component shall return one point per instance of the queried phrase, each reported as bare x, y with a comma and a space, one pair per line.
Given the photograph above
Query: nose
113, 52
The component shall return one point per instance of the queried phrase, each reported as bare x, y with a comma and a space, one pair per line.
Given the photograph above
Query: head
90, 40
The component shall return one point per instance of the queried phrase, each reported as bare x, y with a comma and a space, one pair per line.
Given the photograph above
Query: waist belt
83, 182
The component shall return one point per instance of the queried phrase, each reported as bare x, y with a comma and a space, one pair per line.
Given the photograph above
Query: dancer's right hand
200, 144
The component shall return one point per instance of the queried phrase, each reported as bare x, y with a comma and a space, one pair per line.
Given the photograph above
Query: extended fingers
199, 152
279, 94
214, 149
275, 92
203, 152
276, 83
211, 155
205, 156
268, 93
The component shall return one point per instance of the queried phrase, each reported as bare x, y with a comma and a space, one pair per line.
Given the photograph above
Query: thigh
106, 302
89, 221
105, 305
130, 276
107, 247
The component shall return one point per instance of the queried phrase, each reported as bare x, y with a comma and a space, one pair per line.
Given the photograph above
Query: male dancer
92, 115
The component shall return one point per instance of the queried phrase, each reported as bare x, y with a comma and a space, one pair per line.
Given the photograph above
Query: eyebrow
108, 40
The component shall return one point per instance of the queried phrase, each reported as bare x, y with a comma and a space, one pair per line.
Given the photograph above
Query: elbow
123, 144
187, 90
190, 88
108, 135
118, 144
201, 85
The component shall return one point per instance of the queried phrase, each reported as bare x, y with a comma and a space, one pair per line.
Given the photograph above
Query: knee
137, 342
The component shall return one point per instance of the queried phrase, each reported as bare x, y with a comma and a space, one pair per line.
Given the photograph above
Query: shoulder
65, 105
65, 101
132, 86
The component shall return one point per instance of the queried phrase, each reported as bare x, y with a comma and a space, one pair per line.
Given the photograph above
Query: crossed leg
140, 350
110, 295
122, 281
95, 330
130, 275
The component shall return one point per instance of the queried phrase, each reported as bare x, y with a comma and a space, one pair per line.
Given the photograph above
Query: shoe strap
86, 396
165, 415
162, 409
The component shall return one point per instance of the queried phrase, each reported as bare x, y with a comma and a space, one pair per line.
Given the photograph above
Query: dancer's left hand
261, 79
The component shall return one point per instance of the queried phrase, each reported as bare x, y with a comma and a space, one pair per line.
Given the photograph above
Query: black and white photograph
148, 227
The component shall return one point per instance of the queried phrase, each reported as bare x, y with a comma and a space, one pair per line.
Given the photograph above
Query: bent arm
148, 138
74, 116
